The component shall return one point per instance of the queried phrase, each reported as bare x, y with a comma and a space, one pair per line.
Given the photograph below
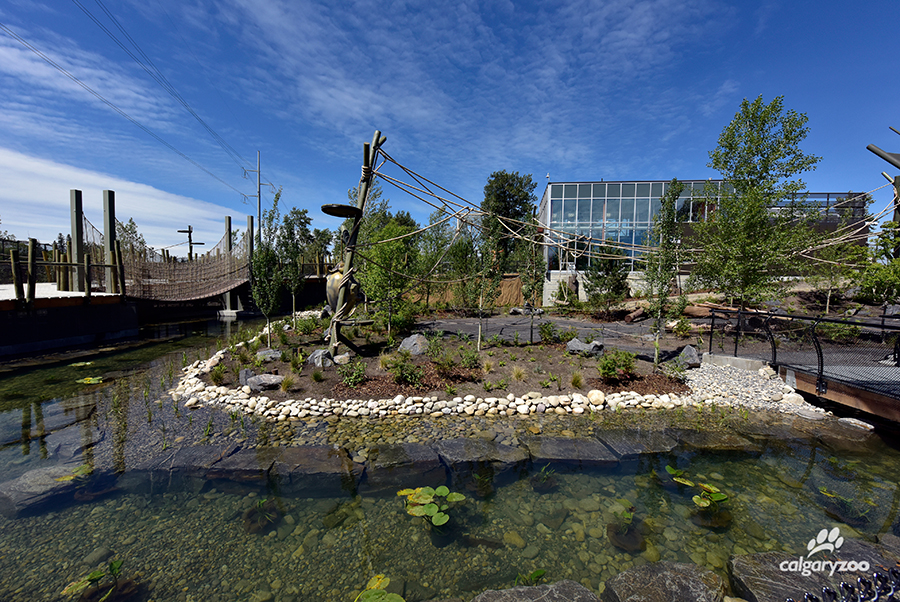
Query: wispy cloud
35, 202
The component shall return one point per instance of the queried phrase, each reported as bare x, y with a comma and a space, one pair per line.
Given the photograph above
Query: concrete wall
54, 328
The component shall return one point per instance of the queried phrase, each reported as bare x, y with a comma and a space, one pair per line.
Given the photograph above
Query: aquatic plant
532, 578
544, 481
261, 516
94, 578
623, 531
430, 504
375, 592
90, 380
709, 497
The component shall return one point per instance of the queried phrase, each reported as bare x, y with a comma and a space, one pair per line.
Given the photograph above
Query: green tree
265, 268
606, 278
508, 198
386, 275
318, 248
532, 267
130, 238
661, 266
755, 232
433, 249
294, 238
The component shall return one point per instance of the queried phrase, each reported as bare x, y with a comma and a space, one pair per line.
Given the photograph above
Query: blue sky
582, 90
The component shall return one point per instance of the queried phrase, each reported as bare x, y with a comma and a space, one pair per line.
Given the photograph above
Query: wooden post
87, 278
48, 269
113, 285
121, 265
17, 275
71, 275
109, 236
76, 252
32, 270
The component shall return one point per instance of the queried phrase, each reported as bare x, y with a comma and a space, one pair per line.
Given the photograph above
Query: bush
616, 365
353, 374
548, 332
468, 358
217, 374
404, 371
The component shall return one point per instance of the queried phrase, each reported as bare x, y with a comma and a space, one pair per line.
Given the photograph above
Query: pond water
188, 540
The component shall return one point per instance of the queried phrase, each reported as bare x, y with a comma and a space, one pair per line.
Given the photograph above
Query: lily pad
455, 497
441, 491
439, 519
431, 509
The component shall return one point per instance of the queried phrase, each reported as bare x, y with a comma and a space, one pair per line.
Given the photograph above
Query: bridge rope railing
155, 275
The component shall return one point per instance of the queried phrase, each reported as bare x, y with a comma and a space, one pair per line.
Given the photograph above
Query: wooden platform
844, 393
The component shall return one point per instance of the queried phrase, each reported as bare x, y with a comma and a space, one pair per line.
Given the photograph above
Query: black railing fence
881, 587
864, 351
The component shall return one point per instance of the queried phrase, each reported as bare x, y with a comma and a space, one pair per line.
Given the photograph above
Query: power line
157, 75
100, 97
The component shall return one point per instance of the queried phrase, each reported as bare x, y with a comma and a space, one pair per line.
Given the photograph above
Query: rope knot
366, 172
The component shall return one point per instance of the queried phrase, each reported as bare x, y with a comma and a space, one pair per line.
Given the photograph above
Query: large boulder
320, 358
416, 344
264, 381
592, 349
688, 358
665, 582
561, 591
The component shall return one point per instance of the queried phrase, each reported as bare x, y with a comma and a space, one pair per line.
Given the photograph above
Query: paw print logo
825, 541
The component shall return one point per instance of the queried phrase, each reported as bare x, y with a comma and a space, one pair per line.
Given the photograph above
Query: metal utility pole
258, 188
191, 243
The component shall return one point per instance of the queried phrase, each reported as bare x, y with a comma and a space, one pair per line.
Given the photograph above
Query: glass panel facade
584, 211
599, 190
571, 191
556, 191
584, 191
642, 210
627, 190
656, 190
555, 212
626, 213
612, 210
613, 190
643, 190
568, 212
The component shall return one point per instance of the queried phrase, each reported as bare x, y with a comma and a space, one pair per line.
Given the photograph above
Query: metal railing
862, 351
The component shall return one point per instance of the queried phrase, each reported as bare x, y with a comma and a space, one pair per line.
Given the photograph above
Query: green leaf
718, 497
90, 380
441, 491
431, 509
439, 519
378, 582
115, 567
683, 481
701, 501
416, 510
444, 507
535, 575
673, 471
455, 497
708, 488
406, 492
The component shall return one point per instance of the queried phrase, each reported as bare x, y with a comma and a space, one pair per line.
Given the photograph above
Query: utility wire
97, 95
157, 76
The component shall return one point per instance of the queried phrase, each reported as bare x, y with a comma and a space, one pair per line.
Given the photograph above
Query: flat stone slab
70, 442
716, 441
665, 582
36, 488
478, 451
198, 459
585, 452
245, 465
561, 591
837, 435
403, 465
317, 470
628, 445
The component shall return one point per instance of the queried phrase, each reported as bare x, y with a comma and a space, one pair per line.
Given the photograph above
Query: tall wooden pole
369, 153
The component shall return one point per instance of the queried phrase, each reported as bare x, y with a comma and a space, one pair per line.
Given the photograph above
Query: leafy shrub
567, 335
548, 332
217, 374
317, 376
353, 374
616, 365
577, 379
404, 371
307, 326
518, 373
468, 358
682, 328
838, 333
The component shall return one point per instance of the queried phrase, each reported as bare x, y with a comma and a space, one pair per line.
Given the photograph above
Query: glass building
578, 214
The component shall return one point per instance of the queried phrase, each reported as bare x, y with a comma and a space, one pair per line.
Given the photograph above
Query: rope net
148, 275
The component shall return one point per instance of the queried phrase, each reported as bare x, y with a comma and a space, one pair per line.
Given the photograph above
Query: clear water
187, 541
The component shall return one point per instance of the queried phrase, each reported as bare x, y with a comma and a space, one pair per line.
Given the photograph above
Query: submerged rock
665, 582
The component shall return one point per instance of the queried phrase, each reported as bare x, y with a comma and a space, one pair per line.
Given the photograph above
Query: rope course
150, 274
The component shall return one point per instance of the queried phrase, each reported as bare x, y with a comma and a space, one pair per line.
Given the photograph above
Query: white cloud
35, 203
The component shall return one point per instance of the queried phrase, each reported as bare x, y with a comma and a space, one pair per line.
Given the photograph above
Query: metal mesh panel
863, 352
